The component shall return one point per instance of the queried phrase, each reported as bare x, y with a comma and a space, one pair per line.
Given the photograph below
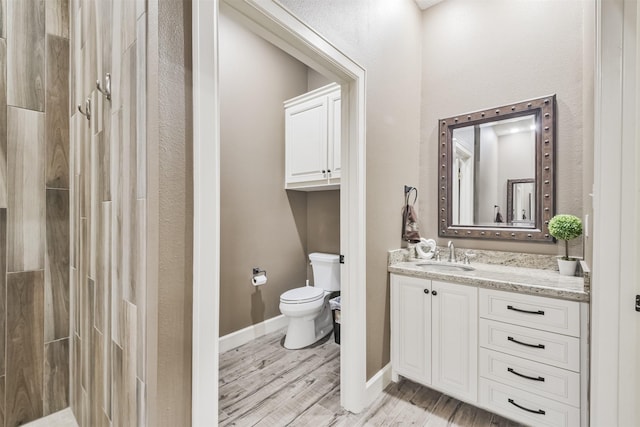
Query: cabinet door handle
533, 411
434, 293
524, 343
426, 291
510, 307
524, 376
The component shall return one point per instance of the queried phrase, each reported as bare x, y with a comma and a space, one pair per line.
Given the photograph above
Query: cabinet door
411, 328
455, 339
306, 141
334, 130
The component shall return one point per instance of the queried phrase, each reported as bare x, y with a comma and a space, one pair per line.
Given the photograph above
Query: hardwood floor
263, 384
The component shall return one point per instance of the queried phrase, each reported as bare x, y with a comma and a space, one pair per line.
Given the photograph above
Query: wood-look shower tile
3, 19
141, 399
87, 337
140, 281
76, 63
97, 383
117, 386
116, 56
3, 124
103, 269
76, 375
3, 290
2, 400
127, 181
94, 201
25, 355
105, 27
57, 263
56, 376
116, 231
57, 120
73, 284
104, 163
128, 24
25, 216
26, 54
57, 12
141, 108
129, 349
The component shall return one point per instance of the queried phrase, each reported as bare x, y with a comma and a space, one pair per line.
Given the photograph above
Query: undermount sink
445, 266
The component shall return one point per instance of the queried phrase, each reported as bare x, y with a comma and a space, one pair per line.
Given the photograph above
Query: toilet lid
303, 294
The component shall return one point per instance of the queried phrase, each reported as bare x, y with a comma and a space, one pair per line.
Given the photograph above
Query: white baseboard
250, 333
377, 383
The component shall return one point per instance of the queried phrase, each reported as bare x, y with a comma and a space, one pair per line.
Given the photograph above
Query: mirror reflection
496, 177
492, 168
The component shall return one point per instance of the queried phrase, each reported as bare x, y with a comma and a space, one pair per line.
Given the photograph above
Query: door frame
615, 326
277, 25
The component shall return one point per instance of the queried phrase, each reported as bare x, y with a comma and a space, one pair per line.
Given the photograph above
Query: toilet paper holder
258, 271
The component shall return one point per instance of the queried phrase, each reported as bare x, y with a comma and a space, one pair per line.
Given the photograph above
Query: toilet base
304, 331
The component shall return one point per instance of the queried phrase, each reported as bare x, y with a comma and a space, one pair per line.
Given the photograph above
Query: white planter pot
567, 268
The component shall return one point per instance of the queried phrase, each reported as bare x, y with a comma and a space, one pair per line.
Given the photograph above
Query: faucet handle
437, 255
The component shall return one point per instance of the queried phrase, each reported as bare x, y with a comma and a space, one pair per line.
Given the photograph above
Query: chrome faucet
452, 252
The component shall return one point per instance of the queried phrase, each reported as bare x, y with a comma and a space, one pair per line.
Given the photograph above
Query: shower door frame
277, 25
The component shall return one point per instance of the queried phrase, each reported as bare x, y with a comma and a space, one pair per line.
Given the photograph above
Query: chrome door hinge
637, 302
341, 259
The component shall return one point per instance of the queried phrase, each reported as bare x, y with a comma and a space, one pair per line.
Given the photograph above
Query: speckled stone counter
531, 281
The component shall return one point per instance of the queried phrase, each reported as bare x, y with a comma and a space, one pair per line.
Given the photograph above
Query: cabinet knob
329, 170
426, 291
434, 293
324, 171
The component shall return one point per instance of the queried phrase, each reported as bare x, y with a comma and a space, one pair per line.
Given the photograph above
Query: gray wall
384, 37
262, 224
34, 210
485, 54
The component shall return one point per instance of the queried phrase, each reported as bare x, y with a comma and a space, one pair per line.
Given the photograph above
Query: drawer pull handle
525, 376
533, 411
510, 307
524, 343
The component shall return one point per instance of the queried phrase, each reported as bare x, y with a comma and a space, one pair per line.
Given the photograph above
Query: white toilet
307, 308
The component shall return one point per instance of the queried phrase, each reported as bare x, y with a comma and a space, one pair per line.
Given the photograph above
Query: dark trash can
334, 303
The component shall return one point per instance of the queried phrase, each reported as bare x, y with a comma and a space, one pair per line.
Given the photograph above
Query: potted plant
566, 227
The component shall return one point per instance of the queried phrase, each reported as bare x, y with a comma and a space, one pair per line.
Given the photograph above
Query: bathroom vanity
511, 340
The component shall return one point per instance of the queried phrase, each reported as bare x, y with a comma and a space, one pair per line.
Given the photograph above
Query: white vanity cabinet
524, 357
533, 358
312, 140
434, 334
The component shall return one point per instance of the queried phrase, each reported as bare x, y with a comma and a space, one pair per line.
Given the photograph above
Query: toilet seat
302, 295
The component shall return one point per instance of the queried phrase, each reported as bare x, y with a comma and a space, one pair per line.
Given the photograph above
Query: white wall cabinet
312, 140
434, 334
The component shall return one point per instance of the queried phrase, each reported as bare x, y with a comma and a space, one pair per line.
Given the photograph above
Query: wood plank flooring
263, 384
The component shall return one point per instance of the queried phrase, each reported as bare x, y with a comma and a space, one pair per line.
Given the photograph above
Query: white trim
378, 383
614, 393
250, 333
206, 213
276, 24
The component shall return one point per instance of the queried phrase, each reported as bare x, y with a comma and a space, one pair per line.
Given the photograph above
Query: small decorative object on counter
566, 227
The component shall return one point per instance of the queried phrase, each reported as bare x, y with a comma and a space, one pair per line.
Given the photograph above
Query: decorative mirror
496, 169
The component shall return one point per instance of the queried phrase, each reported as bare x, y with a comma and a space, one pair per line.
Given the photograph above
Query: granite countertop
531, 281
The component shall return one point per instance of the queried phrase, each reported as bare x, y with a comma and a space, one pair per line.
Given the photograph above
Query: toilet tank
326, 271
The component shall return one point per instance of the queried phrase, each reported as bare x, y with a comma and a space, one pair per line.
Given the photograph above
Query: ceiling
424, 4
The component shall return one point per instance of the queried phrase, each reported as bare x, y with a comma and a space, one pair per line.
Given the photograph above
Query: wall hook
87, 109
107, 86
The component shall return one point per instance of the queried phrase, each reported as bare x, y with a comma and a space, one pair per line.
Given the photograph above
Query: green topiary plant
565, 227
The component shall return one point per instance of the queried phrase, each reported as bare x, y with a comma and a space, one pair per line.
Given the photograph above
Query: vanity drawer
543, 380
548, 314
545, 347
524, 407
